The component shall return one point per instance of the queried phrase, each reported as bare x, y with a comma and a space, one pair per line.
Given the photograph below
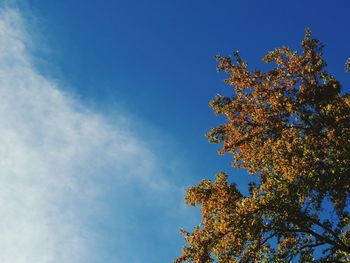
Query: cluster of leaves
290, 128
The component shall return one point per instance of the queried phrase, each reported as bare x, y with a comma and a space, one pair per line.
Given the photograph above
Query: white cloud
56, 160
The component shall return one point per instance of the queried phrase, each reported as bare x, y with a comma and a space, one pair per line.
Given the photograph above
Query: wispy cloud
65, 170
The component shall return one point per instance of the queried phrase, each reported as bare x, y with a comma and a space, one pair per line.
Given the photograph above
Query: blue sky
104, 111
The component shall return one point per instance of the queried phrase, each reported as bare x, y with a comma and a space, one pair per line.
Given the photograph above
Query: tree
289, 128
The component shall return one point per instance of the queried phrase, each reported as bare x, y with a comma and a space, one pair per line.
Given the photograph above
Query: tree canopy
289, 127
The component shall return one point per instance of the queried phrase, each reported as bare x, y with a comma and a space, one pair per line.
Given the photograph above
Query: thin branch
324, 227
312, 245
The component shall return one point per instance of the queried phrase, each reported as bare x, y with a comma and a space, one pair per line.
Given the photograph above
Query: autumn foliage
289, 128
